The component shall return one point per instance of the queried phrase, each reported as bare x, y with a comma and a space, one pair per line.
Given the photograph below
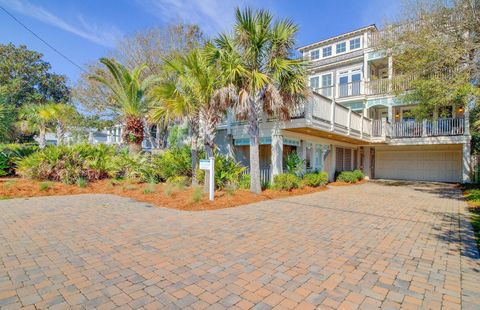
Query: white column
277, 154
303, 153
366, 161
466, 165
390, 114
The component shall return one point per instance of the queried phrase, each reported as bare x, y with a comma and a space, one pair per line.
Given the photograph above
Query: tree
6, 120
258, 61
198, 88
128, 93
64, 115
149, 46
37, 118
437, 46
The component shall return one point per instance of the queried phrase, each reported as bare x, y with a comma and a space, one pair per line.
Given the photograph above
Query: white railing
445, 127
356, 122
341, 115
349, 89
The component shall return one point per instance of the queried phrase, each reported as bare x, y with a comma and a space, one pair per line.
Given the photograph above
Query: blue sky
86, 30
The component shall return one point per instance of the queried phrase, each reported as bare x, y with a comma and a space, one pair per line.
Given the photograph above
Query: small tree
37, 118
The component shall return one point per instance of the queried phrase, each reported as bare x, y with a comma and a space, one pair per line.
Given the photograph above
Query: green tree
436, 45
37, 118
259, 61
6, 120
128, 94
64, 115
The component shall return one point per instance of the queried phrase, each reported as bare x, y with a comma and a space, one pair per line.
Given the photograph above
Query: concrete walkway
390, 245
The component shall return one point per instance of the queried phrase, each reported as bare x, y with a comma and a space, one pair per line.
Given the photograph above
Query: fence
265, 176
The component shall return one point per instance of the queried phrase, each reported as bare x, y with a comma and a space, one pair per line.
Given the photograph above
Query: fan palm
37, 118
128, 92
64, 115
257, 59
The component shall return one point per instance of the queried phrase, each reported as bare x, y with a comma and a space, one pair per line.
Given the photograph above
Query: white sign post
209, 164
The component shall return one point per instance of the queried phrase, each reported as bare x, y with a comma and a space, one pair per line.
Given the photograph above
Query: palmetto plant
64, 115
37, 118
257, 59
128, 92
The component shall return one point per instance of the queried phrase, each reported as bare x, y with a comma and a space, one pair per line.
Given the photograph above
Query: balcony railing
350, 89
417, 129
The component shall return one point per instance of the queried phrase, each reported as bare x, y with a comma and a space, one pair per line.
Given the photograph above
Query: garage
421, 163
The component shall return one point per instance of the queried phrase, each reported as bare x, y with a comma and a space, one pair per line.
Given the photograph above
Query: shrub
359, 174
179, 180
44, 186
82, 182
294, 163
138, 167
286, 182
168, 190
9, 153
150, 189
244, 182
315, 179
197, 194
173, 162
227, 171
347, 177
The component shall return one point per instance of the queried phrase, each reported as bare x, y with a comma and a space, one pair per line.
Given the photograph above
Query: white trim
333, 47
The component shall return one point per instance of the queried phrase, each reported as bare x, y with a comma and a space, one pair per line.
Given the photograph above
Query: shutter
339, 159
348, 160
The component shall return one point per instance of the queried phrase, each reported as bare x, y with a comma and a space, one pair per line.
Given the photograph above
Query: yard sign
209, 164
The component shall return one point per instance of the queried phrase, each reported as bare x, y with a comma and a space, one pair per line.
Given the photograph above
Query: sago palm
37, 118
128, 93
258, 60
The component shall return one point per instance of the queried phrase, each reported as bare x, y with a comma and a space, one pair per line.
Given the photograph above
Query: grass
472, 195
149, 189
197, 194
44, 186
8, 184
5, 197
82, 183
168, 190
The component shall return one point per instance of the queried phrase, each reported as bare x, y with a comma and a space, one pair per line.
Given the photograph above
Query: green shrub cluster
286, 182
9, 153
350, 176
228, 172
315, 179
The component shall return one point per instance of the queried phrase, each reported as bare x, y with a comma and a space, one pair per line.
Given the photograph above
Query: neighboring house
354, 121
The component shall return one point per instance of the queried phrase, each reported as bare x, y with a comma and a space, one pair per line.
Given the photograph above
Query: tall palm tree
37, 118
64, 115
128, 92
258, 60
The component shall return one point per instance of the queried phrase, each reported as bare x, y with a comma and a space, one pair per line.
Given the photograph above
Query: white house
354, 121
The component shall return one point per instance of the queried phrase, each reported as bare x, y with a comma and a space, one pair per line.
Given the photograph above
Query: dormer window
354, 43
327, 51
341, 47
314, 54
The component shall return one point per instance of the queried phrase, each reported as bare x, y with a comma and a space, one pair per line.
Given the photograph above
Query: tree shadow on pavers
439, 189
459, 231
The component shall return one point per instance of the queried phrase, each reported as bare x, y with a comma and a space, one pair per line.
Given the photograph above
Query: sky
85, 30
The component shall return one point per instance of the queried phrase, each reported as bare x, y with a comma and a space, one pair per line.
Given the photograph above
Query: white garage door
443, 165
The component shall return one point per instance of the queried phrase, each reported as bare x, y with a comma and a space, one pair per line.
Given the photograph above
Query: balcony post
384, 128
361, 126
332, 115
424, 128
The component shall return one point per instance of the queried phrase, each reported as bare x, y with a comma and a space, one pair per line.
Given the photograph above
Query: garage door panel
421, 165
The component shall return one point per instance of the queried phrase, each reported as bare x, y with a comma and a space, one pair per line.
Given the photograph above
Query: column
390, 113
366, 162
466, 165
331, 170
230, 146
277, 154
303, 153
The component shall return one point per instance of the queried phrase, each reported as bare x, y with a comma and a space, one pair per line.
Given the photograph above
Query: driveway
385, 245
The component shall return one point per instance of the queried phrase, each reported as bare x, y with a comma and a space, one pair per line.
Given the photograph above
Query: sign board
209, 165
205, 164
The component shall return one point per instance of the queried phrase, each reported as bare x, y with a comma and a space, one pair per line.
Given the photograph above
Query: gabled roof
371, 27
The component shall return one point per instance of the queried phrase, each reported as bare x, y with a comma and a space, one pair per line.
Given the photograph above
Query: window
314, 82
327, 51
327, 85
354, 43
314, 54
341, 47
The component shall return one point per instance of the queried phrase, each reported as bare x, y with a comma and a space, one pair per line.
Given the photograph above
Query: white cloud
99, 34
212, 16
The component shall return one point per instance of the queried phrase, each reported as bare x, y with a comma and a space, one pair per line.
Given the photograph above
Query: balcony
418, 129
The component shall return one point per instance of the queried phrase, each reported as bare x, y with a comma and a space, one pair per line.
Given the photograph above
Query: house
354, 121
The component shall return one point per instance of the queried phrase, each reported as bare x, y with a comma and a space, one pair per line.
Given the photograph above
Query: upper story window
327, 51
341, 47
314, 54
354, 43
314, 82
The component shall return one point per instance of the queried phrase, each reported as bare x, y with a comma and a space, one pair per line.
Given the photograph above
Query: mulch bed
160, 195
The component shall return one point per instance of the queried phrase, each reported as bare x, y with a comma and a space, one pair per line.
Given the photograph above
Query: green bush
227, 171
138, 167
9, 153
294, 163
347, 177
315, 179
174, 162
359, 174
244, 182
68, 163
286, 182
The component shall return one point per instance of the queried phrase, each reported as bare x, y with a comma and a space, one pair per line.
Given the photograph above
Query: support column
466, 164
303, 153
390, 114
277, 154
333, 163
366, 162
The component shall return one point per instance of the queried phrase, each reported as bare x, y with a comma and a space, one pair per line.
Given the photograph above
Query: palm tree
64, 115
128, 92
37, 118
196, 91
257, 59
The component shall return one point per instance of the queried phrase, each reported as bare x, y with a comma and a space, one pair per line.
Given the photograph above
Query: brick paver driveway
372, 245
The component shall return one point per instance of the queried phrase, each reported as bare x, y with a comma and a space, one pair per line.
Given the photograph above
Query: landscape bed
161, 195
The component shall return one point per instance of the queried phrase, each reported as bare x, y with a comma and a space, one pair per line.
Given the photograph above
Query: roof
359, 30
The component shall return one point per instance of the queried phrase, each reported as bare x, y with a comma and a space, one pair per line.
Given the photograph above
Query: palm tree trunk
134, 133
41, 137
60, 133
255, 184
193, 131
